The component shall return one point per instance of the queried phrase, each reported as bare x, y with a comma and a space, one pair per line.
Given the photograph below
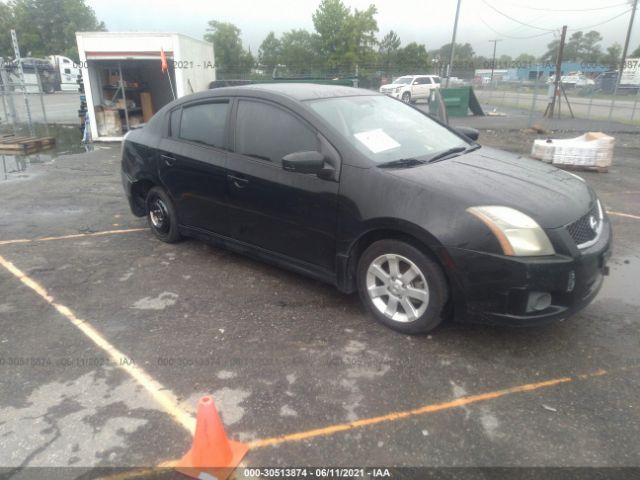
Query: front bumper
495, 289
393, 94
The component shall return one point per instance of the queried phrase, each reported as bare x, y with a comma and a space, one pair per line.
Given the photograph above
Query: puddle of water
68, 141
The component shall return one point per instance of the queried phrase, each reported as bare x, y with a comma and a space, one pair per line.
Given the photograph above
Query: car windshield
403, 80
385, 129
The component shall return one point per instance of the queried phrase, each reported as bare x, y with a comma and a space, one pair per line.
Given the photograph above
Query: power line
601, 23
514, 19
511, 37
570, 9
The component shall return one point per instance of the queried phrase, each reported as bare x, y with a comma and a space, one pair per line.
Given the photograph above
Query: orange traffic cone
212, 453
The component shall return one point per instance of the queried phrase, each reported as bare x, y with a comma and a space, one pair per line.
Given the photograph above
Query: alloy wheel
397, 288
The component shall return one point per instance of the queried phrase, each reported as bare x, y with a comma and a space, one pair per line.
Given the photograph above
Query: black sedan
362, 191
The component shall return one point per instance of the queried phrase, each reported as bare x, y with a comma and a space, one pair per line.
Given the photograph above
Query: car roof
426, 75
295, 91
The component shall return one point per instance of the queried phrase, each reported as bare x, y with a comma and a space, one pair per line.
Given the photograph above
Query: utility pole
453, 43
493, 61
556, 84
624, 58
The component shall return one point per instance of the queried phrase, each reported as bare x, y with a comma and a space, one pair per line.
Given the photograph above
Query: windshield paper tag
376, 140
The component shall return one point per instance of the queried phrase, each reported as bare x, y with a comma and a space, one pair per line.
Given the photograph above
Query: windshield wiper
403, 162
452, 151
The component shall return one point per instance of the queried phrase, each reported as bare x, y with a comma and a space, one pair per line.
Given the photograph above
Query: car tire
161, 215
401, 286
406, 97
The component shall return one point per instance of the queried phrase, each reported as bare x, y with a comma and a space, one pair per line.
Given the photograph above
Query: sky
522, 25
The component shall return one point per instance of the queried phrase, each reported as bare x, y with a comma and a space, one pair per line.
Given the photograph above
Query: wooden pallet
24, 145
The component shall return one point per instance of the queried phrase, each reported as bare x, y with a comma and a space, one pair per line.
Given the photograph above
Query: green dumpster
458, 101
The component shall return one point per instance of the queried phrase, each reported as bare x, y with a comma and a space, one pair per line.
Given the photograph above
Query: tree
613, 56
344, 38
46, 27
552, 52
482, 62
361, 27
299, 52
504, 61
6, 23
580, 47
270, 52
524, 60
636, 52
591, 51
413, 58
388, 51
462, 60
231, 57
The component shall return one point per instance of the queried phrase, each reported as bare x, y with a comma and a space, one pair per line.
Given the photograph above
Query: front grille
582, 231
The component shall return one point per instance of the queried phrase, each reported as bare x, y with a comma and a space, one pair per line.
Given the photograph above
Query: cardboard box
108, 122
593, 149
147, 106
135, 120
120, 104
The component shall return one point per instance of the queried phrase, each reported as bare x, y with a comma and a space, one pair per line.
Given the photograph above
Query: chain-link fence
590, 105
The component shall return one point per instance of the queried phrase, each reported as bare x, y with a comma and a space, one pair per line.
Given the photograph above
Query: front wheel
161, 215
401, 286
406, 97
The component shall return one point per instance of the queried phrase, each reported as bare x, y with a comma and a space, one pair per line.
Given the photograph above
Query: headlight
519, 235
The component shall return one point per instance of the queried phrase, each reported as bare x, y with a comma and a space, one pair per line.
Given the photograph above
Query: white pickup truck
411, 87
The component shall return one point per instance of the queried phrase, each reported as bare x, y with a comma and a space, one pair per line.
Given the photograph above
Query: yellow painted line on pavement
436, 407
620, 214
158, 392
72, 236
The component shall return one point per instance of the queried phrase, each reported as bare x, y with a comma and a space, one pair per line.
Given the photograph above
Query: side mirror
303, 162
470, 133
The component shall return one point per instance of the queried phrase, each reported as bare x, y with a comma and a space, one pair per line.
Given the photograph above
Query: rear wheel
401, 286
161, 215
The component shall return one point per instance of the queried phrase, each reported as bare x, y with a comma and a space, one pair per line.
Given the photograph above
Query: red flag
163, 61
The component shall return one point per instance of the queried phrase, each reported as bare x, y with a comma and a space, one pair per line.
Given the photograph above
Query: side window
205, 123
269, 133
174, 123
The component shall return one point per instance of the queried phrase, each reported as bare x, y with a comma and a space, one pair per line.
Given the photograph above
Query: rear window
205, 123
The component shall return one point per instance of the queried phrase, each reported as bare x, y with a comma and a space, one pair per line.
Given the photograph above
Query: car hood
488, 176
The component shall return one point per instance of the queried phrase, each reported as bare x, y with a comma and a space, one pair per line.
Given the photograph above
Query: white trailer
67, 72
123, 80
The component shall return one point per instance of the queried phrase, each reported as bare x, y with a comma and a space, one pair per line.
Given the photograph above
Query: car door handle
238, 182
169, 160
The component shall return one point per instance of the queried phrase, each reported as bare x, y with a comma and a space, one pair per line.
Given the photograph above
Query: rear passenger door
422, 88
192, 164
288, 213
